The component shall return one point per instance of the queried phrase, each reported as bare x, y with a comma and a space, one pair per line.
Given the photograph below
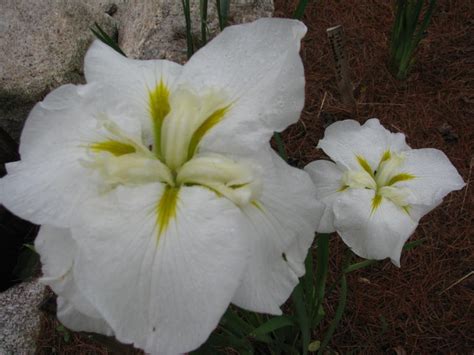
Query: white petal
345, 140
163, 295
284, 222
104, 65
257, 66
50, 182
372, 235
79, 322
128, 79
57, 251
326, 177
435, 176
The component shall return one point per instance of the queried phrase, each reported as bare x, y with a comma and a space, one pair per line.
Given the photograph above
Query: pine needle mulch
426, 306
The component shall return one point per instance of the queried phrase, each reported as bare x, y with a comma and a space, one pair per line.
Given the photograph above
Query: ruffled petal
372, 234
282, 226
105, 65
258, 68
50, 181
139, 83
326, 177
57, 251
434, 174
345, 140
79, 322
163, 289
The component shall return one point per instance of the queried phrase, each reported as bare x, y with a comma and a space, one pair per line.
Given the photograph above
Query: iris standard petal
372, 234
143, 84
282, 224
162, 289
258, 68
345, 141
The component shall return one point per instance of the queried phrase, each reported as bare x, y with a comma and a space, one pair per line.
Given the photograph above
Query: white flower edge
381, 232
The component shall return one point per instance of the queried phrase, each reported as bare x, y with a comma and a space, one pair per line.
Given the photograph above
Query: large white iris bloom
160, 198
378, 188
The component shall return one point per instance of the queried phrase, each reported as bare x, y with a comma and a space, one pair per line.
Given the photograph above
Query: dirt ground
426, 306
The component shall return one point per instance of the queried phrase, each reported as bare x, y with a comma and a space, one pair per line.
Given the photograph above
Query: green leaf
299, 12
271, 325
104, 37
223, 7
302, 316
322, 265
280, 146
203, 11
337, 317
189, 35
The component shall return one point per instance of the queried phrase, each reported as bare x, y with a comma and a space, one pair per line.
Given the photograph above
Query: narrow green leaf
337, 317
189, 35
322, 265
299, 12
272, 324
223, 7
105, 38
308, 282
303, 319
280, 146
203, 10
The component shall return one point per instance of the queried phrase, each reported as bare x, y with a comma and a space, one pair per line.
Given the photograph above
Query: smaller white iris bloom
378, 188
160, 199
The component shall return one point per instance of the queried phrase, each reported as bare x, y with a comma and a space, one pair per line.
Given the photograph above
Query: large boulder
42, 43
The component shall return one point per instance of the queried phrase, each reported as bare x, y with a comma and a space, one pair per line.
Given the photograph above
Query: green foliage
223, 7
108, 40
189, 35
299, 12
407, 32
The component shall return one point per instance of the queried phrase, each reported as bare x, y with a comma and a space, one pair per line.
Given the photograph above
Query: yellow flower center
179, 122
383, 180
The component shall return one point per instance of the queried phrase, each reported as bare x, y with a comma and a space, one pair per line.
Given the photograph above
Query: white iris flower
160, 198
378, 188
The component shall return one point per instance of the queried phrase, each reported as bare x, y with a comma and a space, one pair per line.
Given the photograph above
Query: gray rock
157, 29
20, 318
43, 42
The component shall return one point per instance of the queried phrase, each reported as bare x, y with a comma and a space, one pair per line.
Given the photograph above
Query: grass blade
299, 12
303, 319
189, 35
223, 7
271, 325
105, 38
337, 317
203, 10
322, 265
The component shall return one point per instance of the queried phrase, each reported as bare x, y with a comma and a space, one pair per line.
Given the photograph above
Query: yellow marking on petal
159, 107
257, 204
365, 165
166, 208
376, 201
386, 156
210, 122
115, 147
399, 178
343, 188
406, 209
